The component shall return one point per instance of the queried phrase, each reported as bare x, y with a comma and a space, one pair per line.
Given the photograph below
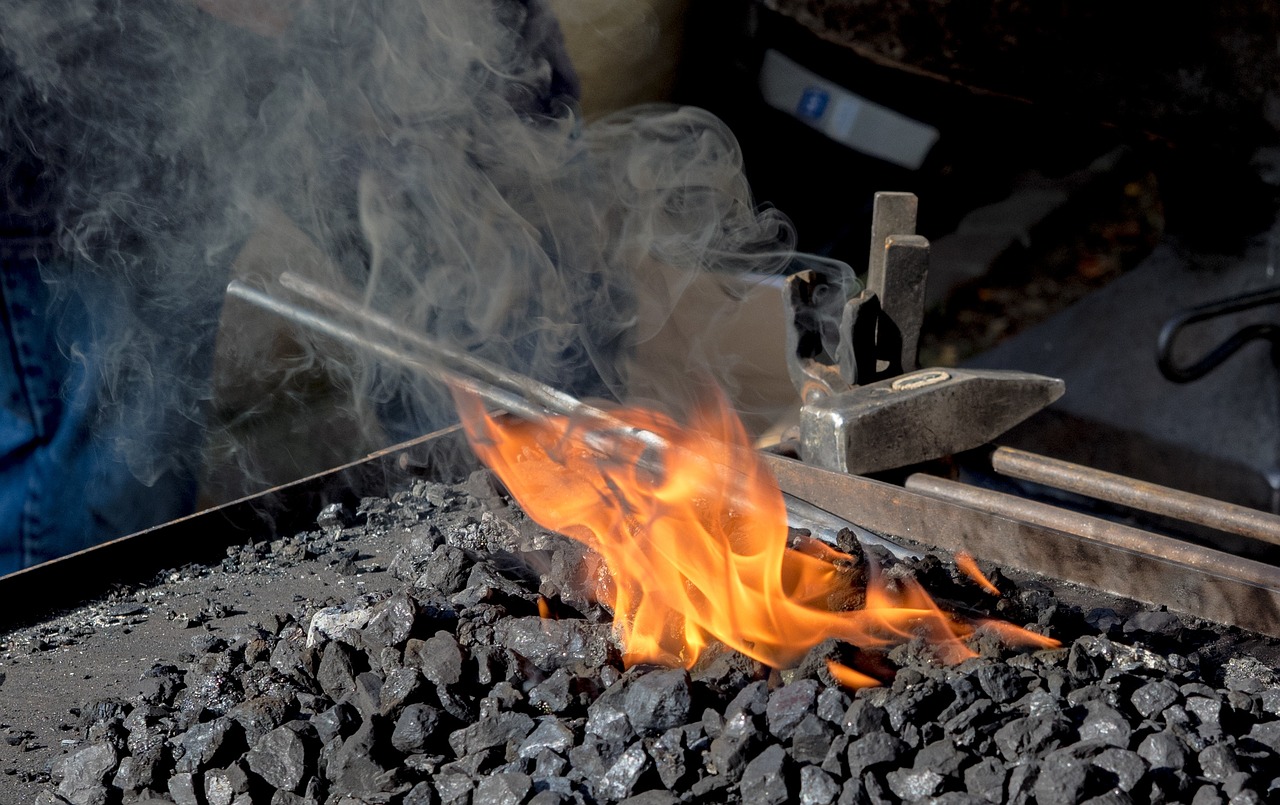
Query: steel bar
37, 592
507, 390
1136, 494
1145, 567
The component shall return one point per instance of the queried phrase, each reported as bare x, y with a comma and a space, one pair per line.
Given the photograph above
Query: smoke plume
425, 157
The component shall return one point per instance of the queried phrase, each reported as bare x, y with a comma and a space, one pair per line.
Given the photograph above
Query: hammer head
918, 417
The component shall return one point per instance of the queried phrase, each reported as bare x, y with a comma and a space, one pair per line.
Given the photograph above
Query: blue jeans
64, 484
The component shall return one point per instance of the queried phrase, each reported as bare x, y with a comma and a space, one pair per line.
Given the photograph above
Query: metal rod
513, 392
1136, 494
1218, 586
1115, 535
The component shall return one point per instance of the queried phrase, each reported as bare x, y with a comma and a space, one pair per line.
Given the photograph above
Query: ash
483, 671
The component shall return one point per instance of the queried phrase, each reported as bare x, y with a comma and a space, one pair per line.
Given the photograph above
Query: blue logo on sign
813, 103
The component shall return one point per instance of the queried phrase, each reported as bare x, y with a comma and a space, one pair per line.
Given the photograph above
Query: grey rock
338, 721
914, 784
550, 734
1062, 779
505, 731
1163, 750
658, 700
624, 774
1127, 766
439, 658
85, 772
811, 739
874, 749
788, 705
752, 700
764, 781
415, 728
503, 789
282, 758
1218, 762
817, 787
336, 675
1153, 697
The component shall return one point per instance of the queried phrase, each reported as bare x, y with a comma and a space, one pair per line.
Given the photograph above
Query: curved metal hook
1216, 356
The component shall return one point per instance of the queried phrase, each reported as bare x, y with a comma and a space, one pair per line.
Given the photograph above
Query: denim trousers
64, 482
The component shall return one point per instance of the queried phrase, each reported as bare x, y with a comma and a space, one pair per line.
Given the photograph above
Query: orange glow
969, 566
850, 678
695, 541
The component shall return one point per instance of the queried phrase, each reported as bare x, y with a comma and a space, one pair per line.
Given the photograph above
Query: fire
695, 541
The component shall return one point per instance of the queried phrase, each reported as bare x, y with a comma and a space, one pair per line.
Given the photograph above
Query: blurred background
1086, 172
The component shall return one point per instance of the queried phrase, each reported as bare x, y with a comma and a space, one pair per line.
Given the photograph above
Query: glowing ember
698, 550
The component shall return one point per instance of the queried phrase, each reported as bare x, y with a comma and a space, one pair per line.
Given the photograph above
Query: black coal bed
438, 647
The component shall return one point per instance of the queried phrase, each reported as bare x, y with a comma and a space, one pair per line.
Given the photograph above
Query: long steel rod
1136, 494
515, 393
1115, 535
1214, 585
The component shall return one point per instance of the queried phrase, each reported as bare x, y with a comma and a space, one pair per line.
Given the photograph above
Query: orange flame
969, 566
696, 551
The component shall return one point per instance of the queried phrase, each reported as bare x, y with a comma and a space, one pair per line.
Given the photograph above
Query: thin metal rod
1115, 535
502, 388
1135, 494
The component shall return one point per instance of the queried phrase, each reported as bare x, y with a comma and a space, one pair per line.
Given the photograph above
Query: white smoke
429, 160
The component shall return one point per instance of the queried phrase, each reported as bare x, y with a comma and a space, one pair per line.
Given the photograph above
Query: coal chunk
817, 787
1126, 768
550, 734
354, 769
415, 728
1062, 779
86, 772
914, 784
337, 672
551, 644
282, 758
872, 750
624, 774
507, 788
224, 786
1154, 697
811, 739
658, 700
439, 658
214, 743
1030, 736
1163, 750
764, 781
788, 705
497, 730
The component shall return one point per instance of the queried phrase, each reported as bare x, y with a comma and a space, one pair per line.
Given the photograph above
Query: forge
957, 582
436, 645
